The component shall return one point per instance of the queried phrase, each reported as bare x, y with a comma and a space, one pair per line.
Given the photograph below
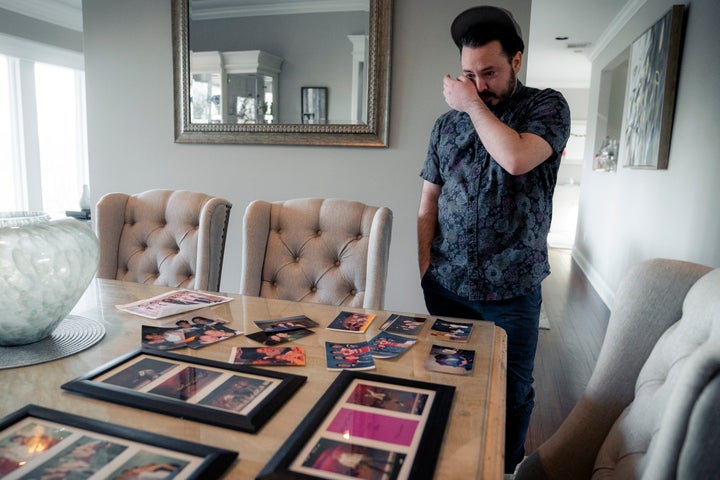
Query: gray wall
28, 28
634, 215
128, 58
322, 59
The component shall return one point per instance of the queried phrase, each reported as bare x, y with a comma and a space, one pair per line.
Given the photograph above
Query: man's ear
517, 62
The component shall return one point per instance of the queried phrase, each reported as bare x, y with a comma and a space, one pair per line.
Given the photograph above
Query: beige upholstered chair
164, 237
651, 409
328, 251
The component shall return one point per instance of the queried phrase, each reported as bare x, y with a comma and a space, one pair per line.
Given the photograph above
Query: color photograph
451, 331
356, 461
351, 322
186, 383
237, 393
348, 356
285, 324
140, 373
386, 398
278, 356
403, 324
387, 345
26, 443
450, 360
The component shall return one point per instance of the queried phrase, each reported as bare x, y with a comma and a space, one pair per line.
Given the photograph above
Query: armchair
329, 251
165, 237
652, 406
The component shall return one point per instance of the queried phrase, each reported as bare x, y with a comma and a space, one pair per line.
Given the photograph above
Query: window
43, 153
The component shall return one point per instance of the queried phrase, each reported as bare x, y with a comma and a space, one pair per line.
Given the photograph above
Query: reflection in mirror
241, 67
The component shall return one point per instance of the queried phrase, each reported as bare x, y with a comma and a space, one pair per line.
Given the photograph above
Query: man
486, 201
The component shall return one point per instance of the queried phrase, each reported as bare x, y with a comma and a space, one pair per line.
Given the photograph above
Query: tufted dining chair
329, 251
174, 238
651, 409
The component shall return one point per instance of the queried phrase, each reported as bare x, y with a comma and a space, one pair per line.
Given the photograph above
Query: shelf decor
652, 83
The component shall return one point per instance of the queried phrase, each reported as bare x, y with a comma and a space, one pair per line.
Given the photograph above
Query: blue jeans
519, 317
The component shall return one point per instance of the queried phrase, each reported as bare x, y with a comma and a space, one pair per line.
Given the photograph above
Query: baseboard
606, 293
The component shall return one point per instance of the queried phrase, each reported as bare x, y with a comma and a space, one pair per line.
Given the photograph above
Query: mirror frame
372, 134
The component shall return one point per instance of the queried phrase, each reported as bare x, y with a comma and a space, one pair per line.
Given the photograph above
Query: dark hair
480, 35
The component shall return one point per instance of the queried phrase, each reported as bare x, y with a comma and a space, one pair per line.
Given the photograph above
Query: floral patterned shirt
491, 240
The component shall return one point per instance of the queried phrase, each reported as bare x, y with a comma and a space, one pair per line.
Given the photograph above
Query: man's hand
460, 93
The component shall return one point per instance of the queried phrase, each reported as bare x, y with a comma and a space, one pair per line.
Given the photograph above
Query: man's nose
480, 85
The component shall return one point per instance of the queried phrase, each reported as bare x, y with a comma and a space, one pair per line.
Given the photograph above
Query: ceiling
587, 24
550, 62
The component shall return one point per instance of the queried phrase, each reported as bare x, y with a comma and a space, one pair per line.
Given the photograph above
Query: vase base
71, 336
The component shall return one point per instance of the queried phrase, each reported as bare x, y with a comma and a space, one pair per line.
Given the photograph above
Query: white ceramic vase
45, 266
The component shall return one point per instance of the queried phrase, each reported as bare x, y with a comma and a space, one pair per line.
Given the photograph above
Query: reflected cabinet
234, 87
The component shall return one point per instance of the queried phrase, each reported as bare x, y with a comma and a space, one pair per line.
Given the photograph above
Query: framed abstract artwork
650, 96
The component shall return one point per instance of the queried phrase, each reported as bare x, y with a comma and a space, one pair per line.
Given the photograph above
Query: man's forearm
427, 223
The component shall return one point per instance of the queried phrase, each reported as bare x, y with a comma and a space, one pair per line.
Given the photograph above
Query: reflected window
205, 93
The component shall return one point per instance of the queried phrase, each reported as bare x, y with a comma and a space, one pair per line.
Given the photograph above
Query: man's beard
502, 96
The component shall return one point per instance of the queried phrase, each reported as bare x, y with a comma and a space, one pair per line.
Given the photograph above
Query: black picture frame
63, 435
204, 388
314, 105
378, 401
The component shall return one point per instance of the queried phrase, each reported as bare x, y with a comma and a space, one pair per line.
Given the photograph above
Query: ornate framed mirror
235, 81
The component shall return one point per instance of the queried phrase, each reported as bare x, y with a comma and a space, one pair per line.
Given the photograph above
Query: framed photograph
232, 396
367, 426
37, 442
652, 83
314, 104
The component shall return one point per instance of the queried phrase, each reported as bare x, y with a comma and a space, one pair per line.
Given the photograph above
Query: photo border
215, 461
250, 422
428, 449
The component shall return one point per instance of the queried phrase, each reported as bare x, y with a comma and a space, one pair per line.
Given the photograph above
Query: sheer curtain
43, 152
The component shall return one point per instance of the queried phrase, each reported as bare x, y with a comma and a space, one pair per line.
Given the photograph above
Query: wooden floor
567, 352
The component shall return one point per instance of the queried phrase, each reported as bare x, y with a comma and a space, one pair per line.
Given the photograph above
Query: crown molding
214, 9
623, 17
64, 14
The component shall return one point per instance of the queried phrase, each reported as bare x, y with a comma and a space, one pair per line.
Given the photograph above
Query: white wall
128, 58
634, 215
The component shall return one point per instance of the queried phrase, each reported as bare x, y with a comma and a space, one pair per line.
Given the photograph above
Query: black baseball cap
485, 16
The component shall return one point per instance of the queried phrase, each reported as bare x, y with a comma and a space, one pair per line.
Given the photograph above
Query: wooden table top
473, 442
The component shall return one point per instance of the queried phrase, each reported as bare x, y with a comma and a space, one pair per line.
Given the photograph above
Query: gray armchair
651, 409
164, 237
329, 251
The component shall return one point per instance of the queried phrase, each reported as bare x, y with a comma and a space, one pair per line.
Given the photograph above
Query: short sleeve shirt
491, 240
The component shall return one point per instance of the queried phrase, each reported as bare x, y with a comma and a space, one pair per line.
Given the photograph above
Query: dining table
470, 444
